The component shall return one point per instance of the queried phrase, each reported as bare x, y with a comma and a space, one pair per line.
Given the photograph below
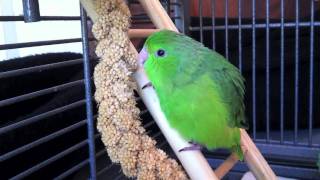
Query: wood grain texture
254, 159
157, 14
141, 33
88, 5
226, 166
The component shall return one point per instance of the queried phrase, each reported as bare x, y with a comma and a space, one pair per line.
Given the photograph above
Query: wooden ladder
252, 156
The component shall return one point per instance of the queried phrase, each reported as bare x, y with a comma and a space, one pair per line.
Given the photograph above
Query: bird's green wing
229, 82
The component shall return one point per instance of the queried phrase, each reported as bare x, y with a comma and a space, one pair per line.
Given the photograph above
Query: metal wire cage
275, 44
277, 54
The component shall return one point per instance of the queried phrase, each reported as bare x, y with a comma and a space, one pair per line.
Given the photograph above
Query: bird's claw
149, 84
244, 149
193, 147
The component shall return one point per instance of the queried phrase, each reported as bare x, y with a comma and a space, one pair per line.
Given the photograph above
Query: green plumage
200, 92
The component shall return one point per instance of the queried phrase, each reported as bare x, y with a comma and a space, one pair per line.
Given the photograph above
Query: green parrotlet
200, 92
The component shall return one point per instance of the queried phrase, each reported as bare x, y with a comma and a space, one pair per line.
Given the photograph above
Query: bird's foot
244, 149
193, 147
149, 84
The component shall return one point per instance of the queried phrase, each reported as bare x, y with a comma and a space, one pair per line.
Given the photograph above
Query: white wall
15, 32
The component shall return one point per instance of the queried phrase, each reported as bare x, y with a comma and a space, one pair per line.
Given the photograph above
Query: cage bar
149, 124
104, 169
168, 7
78, 166
42, 18
267, 71
240, 35
41, 141
254, 119
38, 43
257, 26
288, 142
296, 79
298, 153
186, 17
72, 170
88, 94
51, 160
200, 20
31, 10
39, 117
282, 74
178, 12
144, 17
23, 71
226, 24
42, 92
311, 73
213, 24
162, 144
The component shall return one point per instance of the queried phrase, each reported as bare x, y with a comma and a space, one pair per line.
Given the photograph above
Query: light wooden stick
141, 33
158, 15
133, 33
226, 166
88, 5
255, 161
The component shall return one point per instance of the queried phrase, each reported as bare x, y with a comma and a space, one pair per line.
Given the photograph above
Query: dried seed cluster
118, 121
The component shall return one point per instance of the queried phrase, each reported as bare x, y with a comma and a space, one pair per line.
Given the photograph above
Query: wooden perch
226, 166
88, 5
141, 33
254, 159
158, 15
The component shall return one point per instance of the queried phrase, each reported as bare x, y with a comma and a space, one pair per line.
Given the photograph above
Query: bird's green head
162, 53
159, 50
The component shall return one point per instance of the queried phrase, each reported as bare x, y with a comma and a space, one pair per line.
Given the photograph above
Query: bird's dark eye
161, 53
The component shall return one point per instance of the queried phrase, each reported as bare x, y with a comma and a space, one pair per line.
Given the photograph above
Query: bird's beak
143, 56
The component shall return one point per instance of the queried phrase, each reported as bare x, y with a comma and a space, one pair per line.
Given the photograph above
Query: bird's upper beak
143, 56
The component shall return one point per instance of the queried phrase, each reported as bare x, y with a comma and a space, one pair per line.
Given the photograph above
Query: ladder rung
226, 166
141, 33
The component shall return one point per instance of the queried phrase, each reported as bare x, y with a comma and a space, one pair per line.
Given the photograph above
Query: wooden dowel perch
226, 166
133, 33
158, 15
141, 33
254, 159
88, 5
